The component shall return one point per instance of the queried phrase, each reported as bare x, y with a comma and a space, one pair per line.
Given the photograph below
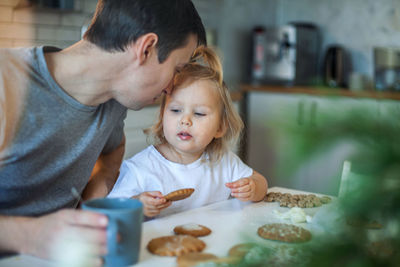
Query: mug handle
112, 237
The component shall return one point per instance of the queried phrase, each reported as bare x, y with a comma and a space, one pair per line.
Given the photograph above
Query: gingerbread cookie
175, 245
192, 229
195, 258
284, 232
179, 194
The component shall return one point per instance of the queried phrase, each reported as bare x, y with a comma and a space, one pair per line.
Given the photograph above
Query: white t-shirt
150, 171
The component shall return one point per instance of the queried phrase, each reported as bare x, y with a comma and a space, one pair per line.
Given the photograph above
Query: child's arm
253, 188
153, 203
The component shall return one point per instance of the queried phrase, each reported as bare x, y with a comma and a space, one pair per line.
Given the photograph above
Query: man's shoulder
16, 59
7, 54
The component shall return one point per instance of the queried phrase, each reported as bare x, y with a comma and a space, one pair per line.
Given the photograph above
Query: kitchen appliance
334, 66
286, 55
387, 68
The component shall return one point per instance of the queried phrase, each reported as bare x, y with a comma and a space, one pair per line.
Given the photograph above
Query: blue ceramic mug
125, 218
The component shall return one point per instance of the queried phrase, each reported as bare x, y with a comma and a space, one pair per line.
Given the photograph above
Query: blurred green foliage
375, 172
367, 232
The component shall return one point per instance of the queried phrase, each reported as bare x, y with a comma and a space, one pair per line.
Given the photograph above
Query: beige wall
30, 26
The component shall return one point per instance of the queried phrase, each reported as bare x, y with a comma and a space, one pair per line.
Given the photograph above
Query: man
62, 115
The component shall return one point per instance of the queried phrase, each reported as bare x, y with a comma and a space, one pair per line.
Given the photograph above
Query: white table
231, 221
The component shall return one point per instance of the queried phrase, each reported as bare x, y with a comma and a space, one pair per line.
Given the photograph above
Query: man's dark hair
118, 23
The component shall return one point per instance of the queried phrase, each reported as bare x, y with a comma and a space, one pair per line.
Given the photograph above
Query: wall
358, 25
28, 26
233, 21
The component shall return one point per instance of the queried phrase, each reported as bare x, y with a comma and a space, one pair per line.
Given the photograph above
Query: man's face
153, 78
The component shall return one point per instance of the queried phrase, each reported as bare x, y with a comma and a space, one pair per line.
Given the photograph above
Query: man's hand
153, 203
48, 236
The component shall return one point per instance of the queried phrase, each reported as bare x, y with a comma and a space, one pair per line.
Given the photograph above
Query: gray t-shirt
55, 139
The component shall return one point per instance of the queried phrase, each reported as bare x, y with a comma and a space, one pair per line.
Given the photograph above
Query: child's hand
153, 203
243, 189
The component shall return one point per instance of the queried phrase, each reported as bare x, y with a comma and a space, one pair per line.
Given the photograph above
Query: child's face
192, 117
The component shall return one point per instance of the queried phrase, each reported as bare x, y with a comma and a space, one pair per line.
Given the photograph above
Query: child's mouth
184, 135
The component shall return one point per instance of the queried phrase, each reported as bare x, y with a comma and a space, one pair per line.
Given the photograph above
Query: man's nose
168, 89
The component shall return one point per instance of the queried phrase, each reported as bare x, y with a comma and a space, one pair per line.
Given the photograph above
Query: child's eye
174, 110
199, 114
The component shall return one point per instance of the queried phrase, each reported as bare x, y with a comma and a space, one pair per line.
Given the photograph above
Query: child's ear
221, 131
145, 46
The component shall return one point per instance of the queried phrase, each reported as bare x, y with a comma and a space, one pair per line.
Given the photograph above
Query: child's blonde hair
209, 69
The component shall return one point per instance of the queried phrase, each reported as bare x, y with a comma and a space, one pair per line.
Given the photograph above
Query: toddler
196, 127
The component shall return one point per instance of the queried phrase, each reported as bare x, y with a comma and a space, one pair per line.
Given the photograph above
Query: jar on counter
387, 68
258, 63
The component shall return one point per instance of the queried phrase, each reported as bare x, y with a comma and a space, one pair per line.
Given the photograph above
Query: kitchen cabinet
389, 110
275, 120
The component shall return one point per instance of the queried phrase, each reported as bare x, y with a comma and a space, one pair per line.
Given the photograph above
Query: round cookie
192, 229
175, 245
284, 232
179, 194
193, 259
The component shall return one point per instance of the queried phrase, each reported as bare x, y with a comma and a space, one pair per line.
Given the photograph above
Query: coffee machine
285, 55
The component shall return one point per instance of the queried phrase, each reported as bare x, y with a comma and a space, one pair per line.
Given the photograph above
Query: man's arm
12, 232
105, 173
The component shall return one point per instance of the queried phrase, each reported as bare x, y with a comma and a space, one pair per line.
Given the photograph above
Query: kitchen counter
231, 221
319, 91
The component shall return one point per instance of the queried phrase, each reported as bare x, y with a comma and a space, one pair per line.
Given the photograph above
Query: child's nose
186, 120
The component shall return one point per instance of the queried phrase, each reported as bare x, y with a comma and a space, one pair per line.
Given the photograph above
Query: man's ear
145, 46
